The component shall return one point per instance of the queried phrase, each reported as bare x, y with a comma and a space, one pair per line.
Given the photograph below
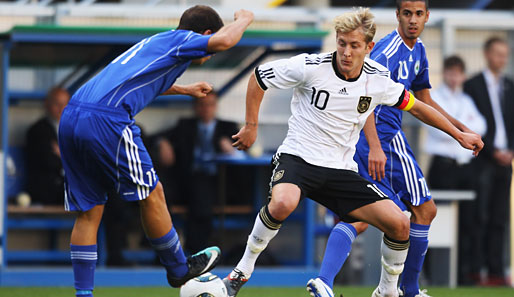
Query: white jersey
328, 111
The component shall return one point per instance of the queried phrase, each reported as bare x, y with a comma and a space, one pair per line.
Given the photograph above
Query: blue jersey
408, 67
149, 68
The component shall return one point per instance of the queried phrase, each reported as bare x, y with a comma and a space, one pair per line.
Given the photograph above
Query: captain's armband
406, 101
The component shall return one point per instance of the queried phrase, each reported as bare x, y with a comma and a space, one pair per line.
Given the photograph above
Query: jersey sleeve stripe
406, 101
259, 79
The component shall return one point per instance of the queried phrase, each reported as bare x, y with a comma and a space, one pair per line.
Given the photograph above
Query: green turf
246, 292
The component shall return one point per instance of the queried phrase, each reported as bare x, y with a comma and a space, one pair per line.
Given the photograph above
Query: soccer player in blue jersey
102, 150
384, 157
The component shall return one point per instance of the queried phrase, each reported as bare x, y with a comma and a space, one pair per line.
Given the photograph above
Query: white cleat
318, 288
377, 293
422, 293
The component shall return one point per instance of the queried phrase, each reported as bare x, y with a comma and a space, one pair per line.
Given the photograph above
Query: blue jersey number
133, 51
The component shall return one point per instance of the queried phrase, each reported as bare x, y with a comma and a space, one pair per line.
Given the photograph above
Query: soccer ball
205, 285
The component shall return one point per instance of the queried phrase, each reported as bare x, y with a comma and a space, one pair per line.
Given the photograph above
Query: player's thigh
290, 181
386, 216
407, 179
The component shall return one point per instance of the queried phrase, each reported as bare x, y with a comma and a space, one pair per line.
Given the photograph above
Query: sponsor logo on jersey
364, 103
343, 91
410, 58
416, 67
278, 175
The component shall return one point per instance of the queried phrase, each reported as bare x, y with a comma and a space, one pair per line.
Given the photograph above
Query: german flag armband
406, 101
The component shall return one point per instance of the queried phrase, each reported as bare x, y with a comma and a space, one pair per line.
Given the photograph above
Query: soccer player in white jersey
385, 158
333, 95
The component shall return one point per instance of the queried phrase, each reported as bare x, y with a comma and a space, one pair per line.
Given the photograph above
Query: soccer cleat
422, 293
377, 293
234, 281
197, 264
318, 288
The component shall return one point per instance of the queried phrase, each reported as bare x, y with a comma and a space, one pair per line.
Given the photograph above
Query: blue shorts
403, 180
102, 151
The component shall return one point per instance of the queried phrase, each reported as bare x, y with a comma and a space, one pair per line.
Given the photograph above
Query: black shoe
197, 264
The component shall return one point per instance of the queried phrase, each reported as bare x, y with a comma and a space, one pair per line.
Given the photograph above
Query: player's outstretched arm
199, 89
424, 95
432, 117
376, 157
247, 135
229, 35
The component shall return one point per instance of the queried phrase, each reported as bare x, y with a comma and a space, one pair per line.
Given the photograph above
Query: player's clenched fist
245, 137
471, 141
242, 13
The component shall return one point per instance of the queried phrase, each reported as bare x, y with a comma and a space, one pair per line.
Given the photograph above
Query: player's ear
369, 47
207, 32
428, 15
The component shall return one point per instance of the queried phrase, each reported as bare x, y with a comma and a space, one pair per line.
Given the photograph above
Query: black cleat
197, 264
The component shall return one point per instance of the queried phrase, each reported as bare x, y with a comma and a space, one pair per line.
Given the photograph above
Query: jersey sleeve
396, 95
421, 81
281, 74
380, 58
194, 46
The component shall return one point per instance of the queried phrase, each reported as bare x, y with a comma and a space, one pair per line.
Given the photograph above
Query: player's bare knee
425, 213
399, 228
281, 206
360, 227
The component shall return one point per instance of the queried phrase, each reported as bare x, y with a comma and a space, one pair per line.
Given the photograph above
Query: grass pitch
246, 292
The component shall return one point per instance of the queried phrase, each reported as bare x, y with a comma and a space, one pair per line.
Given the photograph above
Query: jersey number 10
319, 98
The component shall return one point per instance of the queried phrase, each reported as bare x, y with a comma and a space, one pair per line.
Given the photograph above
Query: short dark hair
399, 3
454, 61
200, 18
492, 40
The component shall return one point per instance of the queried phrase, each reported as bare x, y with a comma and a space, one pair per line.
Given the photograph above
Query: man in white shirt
333, 94
452, 167
493, 94
448, 155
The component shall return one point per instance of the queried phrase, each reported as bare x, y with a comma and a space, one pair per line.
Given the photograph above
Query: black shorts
339, 190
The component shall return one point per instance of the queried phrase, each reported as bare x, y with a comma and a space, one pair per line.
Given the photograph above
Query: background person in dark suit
493, 94
45, 180
187, 148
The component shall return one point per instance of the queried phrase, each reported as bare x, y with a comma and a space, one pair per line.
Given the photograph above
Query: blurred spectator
493, 94
189, 147
452, 167
45, 179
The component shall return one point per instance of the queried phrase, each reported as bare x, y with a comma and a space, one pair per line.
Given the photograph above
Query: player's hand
199, 89
376, 163
245, 137
243, 13
471, 141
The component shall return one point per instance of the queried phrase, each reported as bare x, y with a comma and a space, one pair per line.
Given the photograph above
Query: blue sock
415, 258
170, 253
83, 260
338, 248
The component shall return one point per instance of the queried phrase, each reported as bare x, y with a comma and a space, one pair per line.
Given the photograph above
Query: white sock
257, 241
393, 258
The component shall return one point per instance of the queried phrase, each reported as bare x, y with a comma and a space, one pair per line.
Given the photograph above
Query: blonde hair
357, 18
